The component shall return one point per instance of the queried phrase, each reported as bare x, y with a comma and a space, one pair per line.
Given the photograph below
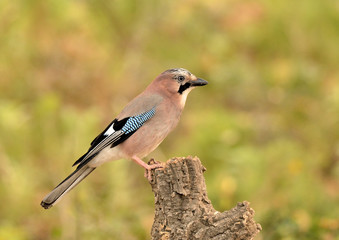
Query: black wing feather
101, 136
117, 125
123, 129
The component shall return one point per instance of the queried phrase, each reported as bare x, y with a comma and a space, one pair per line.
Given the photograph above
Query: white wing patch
109, 131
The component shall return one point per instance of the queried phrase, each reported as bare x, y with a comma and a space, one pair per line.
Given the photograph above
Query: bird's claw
152, 164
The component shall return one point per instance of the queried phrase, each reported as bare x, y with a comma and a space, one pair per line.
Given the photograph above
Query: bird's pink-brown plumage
166, 97
149, 136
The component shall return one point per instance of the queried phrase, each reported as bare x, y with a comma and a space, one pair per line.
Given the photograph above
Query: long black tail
65, 186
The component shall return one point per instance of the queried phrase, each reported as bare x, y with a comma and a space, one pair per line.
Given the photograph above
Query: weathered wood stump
183, 210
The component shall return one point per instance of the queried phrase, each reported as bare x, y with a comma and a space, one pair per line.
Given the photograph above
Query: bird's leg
147, 167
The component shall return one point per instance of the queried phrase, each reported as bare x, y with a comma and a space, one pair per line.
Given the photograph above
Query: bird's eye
181, 78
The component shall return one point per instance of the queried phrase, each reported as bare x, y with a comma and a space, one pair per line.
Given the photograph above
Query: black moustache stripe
182, 88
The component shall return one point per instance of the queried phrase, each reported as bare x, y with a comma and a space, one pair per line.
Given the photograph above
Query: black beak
198, 82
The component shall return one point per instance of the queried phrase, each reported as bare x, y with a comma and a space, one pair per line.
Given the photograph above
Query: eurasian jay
141, 126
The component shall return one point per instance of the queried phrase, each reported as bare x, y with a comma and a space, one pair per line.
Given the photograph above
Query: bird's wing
114, 134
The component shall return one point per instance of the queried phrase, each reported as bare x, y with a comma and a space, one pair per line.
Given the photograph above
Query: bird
137, 131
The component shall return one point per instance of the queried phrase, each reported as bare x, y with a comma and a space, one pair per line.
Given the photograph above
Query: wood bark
183, 210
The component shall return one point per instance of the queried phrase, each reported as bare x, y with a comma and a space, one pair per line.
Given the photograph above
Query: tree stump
183, 210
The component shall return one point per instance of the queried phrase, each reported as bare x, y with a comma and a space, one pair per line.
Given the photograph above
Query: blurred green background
266, 127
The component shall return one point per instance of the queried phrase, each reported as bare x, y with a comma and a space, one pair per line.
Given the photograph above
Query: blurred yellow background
266, 127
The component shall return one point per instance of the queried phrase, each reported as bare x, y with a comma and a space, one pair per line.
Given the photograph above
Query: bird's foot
152, 164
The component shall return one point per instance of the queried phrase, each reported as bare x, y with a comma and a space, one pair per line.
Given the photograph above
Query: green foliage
266, 127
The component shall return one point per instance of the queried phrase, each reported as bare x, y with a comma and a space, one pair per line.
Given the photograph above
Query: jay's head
178, 82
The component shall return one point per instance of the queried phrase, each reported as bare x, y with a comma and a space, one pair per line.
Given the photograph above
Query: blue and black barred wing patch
133, 124
114, 134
